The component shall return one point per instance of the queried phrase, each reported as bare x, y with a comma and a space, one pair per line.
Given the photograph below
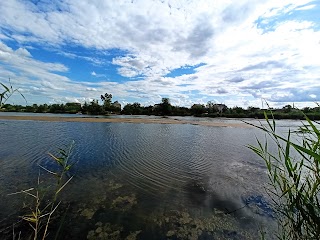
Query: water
149, 181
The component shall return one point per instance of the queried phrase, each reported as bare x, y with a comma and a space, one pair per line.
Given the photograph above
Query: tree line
164, 108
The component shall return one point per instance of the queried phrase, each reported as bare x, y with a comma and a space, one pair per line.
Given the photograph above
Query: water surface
149, 181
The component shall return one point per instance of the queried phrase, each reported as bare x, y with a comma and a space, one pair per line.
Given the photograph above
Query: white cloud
23, 52
307, 7
243, 62
91, 89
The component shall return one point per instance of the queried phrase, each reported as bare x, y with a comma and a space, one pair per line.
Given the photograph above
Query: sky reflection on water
200, 171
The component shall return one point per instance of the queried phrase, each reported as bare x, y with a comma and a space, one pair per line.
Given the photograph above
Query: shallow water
144, 181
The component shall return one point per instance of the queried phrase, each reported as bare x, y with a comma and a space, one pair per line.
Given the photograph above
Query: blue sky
192, 51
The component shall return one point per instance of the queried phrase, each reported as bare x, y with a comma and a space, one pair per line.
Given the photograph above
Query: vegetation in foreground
41, 210
294, 174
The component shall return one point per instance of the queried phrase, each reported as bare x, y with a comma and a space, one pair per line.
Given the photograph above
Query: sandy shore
123, 120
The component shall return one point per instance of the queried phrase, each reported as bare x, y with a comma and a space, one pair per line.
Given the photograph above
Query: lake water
140, 181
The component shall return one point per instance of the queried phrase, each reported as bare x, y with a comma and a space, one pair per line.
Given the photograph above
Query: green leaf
5, 87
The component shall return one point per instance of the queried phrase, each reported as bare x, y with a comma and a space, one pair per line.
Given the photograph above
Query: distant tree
35, 107
29, 109
253, 109
42, 108
165, 107
137, 109
127, 109
306, 109
115, 107
57, 108
107, 99
134, 109
85, 108
147, 110
180, 111
198, 109
210, 107
287, 108
72, 107
94, 107
237, 110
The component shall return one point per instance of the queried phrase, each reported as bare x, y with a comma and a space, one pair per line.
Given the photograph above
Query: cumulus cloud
247, 54
197, 41
23, 52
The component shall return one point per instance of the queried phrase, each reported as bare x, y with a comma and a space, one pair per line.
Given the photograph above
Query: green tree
134, 109
165, 107
198, 109
72, 107
94, 108
85, 108
42, 108
287, 108
57, 108
237, 110
106, 99
211, 107
29, 109
253, 109
147, 110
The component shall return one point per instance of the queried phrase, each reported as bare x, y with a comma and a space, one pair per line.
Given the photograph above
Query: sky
239, 53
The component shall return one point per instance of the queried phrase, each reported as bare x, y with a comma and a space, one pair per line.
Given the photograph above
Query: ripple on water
160, 162
166, 164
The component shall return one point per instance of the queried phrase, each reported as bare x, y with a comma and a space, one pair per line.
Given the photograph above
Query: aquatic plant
41, 210
294, 177
8, 91
110, 231
181, 224
124, 203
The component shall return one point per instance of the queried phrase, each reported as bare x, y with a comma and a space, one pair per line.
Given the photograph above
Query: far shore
123, 120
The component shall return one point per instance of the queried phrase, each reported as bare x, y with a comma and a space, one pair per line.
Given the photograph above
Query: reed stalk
294, 177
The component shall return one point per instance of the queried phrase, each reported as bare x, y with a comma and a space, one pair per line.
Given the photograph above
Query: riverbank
124, 120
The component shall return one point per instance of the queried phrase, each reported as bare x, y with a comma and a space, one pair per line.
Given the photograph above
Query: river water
139, 181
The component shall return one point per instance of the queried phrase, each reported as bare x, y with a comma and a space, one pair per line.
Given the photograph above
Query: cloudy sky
192, 51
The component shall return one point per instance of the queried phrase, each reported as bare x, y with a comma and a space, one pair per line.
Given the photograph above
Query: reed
294, 177
8, 91
42, 209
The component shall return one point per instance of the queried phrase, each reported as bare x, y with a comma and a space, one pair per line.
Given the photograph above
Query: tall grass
7, 92
294, 177
42, 209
